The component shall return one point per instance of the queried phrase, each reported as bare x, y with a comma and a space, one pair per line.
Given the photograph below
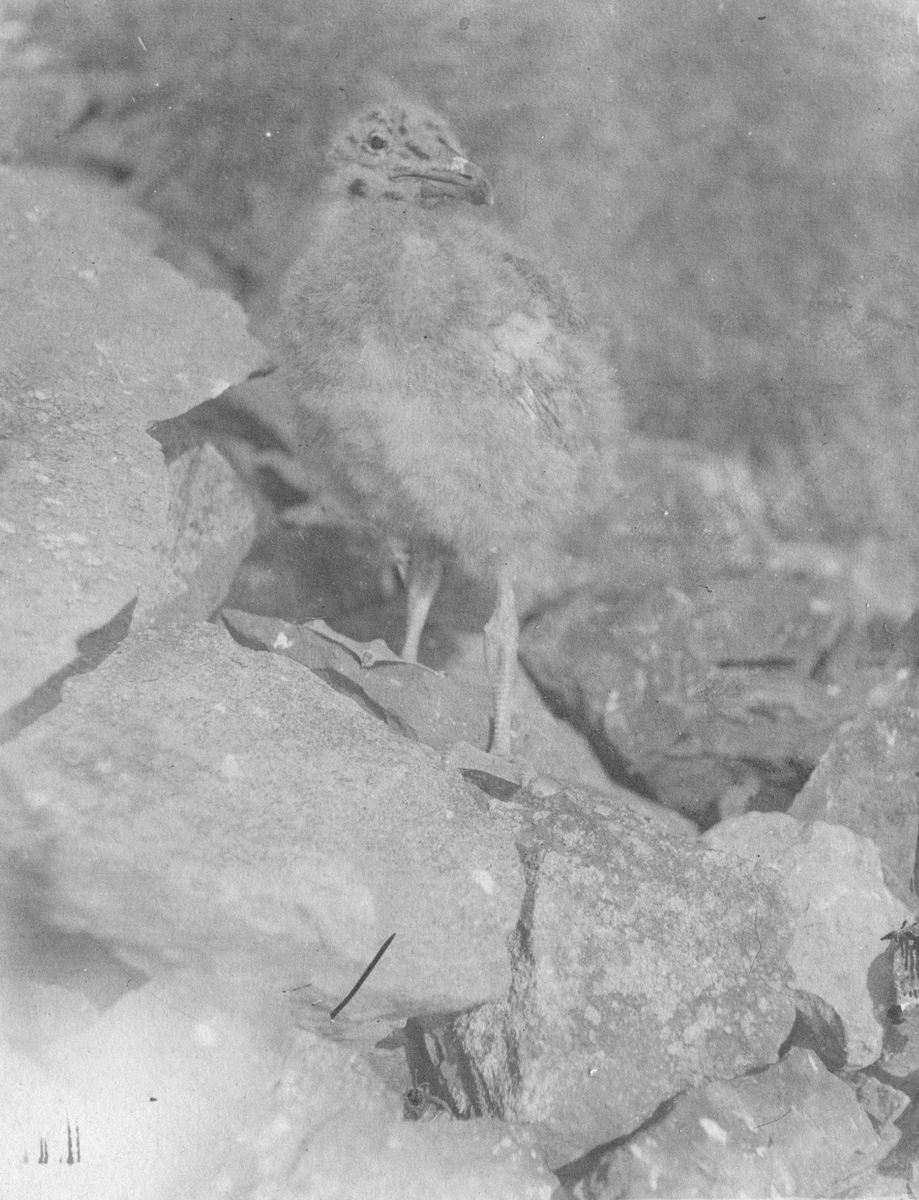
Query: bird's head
404, 152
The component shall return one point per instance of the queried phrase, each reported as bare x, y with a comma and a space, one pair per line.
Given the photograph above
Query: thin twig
360, 983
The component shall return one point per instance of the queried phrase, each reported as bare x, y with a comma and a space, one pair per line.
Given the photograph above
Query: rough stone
841, 911
866, 781
881, 1102
439, 708
707, 695
99, 338
642, 964
165, 1093
212, 807
791, 1130
330, 1129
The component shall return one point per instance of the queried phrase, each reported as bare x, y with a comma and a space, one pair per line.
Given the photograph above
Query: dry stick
360, 983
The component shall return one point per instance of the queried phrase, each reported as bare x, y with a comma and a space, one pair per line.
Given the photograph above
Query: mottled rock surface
642, 964
99, 338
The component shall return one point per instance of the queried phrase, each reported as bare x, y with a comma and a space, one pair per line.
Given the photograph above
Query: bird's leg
422, 577
501, 635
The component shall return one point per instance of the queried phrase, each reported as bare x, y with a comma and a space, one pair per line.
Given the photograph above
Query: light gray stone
791, 1130
99, 338
208, 806
642, 964
835, 887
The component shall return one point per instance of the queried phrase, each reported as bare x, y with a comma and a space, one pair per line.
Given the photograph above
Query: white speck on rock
230, 768
204, 1033
485, 881
714, 1130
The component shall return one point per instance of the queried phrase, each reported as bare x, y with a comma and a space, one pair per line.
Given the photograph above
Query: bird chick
457, 387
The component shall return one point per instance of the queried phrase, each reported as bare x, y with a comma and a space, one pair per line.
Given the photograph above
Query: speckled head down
905, 970
401, 151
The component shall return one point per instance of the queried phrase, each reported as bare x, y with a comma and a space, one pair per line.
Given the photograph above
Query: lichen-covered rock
642, 964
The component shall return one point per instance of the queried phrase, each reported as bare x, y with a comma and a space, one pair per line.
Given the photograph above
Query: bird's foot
368, 654
501, 635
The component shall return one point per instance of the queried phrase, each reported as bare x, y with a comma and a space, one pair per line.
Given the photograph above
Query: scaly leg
422, 578
501, 635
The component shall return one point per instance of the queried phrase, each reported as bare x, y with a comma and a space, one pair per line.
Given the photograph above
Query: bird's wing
537, 351
544, 369
525, 365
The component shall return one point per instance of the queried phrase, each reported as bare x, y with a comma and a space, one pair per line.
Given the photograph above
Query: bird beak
463, 180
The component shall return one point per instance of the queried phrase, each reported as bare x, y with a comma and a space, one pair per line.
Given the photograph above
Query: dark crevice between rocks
177, 435
610, 759
492, 785
449, 1079
440, 1064
822, 1032
592, 1165
780, 782
523, 957
436, 1054
94, 648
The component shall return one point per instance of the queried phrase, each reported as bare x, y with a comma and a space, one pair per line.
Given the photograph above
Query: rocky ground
656, 967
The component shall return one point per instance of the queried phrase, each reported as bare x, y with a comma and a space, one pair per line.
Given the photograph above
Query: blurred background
733, 183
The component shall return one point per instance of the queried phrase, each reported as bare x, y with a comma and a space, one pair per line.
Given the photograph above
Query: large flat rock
200, 804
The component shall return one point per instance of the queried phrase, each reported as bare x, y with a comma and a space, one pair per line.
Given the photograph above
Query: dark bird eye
375, 142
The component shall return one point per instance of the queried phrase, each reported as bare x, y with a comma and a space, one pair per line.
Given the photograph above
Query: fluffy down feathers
457, 386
